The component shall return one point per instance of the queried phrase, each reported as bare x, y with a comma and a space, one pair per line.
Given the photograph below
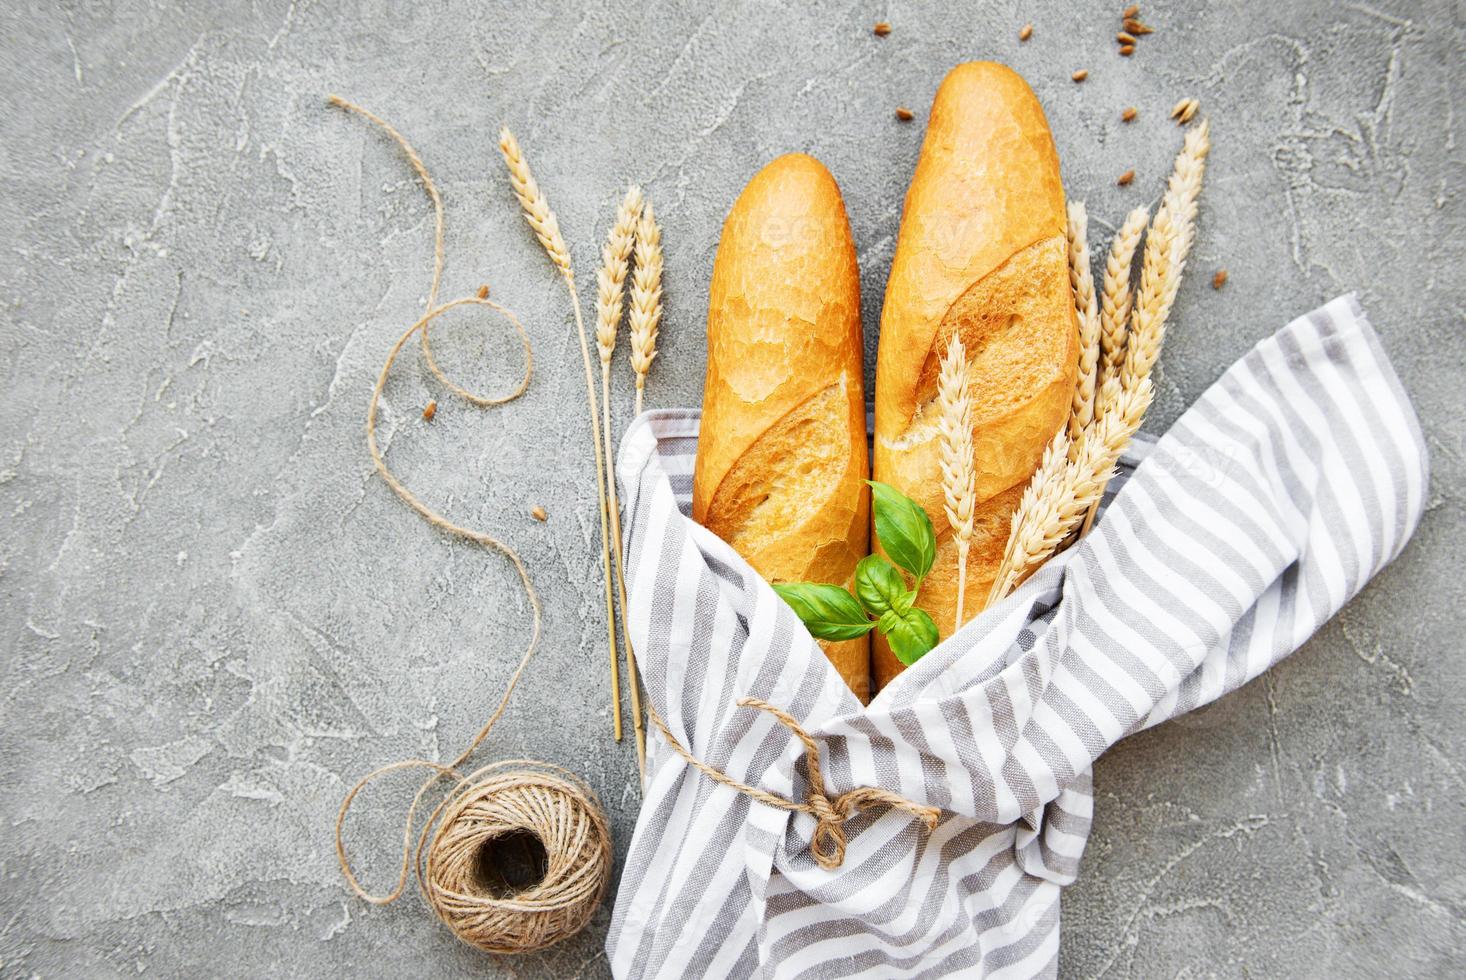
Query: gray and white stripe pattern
1271, 502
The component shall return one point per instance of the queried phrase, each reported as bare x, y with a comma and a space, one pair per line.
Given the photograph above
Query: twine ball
547, 813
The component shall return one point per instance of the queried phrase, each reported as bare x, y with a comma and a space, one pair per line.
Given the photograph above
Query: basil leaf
903, 529
878, 585
827, 611
910, 636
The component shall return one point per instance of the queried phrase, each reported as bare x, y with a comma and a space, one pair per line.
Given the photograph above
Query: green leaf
910, 635
878, 585
828, 611
904, 530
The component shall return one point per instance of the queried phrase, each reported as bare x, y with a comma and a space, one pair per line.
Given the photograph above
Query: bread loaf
782, 458
981, 252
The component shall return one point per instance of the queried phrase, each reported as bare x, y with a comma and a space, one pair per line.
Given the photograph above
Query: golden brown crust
981, 252
782, 456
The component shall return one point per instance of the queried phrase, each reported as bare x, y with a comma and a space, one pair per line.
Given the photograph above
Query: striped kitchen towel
1273, 499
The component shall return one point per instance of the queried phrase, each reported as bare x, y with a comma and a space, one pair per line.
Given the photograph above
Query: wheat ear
1081, 281
1042, 495
1116, 296
1067, 484
1164, 258
646, 298
537, 212
610, 303
959, 478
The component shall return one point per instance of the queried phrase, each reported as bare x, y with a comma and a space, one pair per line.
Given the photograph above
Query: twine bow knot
828, 842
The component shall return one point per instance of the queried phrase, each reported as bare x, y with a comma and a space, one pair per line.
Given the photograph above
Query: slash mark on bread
787, 474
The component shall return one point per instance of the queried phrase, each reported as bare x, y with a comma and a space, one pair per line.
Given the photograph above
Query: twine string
552, 804
827, 844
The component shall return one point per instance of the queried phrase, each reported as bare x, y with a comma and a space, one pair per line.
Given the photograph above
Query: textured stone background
214, 618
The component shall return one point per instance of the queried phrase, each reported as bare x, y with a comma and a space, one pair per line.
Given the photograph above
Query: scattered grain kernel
881, 29
1026, 32
1137, 27
904, 114
1126, 50
538, 512
1126, 178
1128, 115
1219, 280
1080, 75
430, 410
1183, 111
1131, 11
1124, 38
483, 291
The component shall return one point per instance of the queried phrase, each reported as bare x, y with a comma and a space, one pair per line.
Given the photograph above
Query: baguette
982, 252
782, 456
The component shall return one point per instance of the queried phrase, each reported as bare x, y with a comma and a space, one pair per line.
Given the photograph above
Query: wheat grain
959, 477
1116, 295
1183, 111
1164, 258
1081, 281
547, 229
646, 298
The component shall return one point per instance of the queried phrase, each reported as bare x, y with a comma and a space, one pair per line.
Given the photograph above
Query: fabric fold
1221, 548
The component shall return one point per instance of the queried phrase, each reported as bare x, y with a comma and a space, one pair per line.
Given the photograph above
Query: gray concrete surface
215, 618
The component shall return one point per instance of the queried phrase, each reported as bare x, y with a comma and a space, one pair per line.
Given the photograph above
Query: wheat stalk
610, 302
1116, 296
1081, 281
1164, 259
646, 298
959, 478
547, 229
1071, 479
1068, 483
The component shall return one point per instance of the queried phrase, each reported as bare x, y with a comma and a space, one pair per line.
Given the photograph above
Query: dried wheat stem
537, 212
1164, 258
1116, 296
646, 298
959, 477
1064, 488
1081, 281
610, 303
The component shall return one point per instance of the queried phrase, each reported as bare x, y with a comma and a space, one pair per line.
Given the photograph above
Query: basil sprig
881, 590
